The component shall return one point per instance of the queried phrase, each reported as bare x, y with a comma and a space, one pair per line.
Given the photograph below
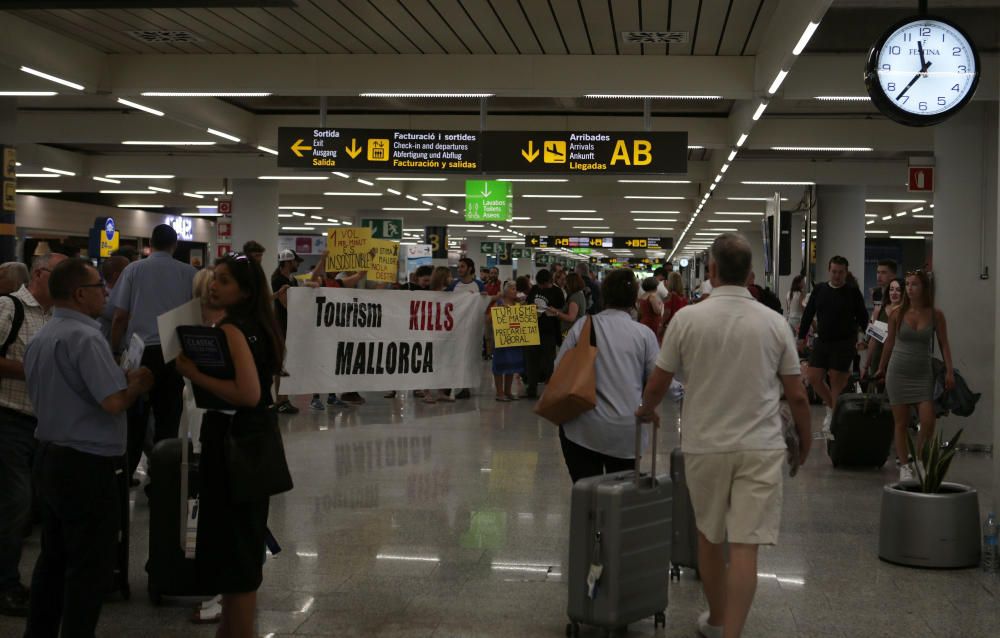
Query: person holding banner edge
506, 361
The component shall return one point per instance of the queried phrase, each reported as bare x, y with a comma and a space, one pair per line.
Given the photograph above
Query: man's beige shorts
737, 495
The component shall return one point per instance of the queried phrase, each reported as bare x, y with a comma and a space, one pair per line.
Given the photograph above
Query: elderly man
738, 357
22, 315
80, 396
13, 275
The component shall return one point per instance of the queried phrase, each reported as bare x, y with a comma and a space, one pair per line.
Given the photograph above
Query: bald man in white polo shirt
738, 357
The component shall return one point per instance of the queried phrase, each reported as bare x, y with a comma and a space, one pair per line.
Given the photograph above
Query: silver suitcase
619, 547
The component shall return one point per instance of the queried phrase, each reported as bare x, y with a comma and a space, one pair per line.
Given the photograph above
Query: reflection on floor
443, 520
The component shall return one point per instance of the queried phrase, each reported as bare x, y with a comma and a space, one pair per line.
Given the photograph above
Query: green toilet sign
488, 201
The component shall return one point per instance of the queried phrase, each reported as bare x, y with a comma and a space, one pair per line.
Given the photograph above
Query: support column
255, 216
965, 251
8, 181
841, 229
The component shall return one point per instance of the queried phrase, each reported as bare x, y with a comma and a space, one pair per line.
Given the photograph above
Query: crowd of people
64, 440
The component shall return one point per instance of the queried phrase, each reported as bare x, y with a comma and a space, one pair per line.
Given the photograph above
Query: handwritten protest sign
384, 264
515, 325
349, 249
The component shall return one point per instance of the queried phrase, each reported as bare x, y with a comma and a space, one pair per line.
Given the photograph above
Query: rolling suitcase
619, 554
173, 481
684, 539
862, 430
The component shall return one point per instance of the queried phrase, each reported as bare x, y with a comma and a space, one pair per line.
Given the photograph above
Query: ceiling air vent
655, 37
159, 37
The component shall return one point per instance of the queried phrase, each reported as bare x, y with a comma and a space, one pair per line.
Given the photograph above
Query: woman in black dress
232, 536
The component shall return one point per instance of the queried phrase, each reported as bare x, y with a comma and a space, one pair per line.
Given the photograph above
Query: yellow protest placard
515, 325
349, 249
384, 264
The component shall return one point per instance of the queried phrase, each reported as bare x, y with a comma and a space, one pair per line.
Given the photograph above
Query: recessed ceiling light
923, 216
126, 192
876, 232
597, 232
223, 135
37, 190
52, 78
141, 107
742, 140
655, 212
732, 156
27, 93
824, 149
267, 150
651, 228
166, 143
571, 210
804, 38
204, 94
317, 178
107, 179
653, 219
140, 205
365, 182
37, 175
411, 179
777, 183
404, 208
760, 111
591, 227
441, 194
649, 96
671, 197
581, 219
778, 79
895, 201
524, 226
887, 218
226, 193
553, 196
754, 199
925, 232
159, 190
730, 221
428, 95
282, 207
131, 176
551, 180
351, 194
902, 214
843, 98
654, 181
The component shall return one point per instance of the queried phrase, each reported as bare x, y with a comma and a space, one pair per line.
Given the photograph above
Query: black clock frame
886, 105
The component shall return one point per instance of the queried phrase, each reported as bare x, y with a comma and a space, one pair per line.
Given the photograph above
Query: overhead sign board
384, 150
384, 228
433, 150
488, 201
554, 241
587, 152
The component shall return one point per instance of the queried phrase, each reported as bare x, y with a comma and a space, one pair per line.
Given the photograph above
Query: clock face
922, 71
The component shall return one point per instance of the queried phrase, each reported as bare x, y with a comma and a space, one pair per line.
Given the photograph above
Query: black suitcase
684, 545
169, 572
862, 431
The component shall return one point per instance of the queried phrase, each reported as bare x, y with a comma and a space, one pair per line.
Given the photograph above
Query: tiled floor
417, 520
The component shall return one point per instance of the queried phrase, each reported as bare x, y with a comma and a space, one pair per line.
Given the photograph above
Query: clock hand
922, 73
923, 62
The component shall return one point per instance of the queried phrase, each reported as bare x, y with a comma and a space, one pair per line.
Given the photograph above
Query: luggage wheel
660, 620
675, 573
572, 629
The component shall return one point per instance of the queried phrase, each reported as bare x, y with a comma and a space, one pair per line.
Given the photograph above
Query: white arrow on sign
486, 189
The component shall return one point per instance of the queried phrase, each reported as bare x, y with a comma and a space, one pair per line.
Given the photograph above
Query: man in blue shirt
145, 290
80, 396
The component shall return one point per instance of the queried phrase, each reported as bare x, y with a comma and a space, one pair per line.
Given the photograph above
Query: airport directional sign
639, 243
382, 150
585, 152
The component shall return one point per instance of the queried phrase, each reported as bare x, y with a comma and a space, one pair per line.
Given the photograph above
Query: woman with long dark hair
796, 302
232, 535
906, 363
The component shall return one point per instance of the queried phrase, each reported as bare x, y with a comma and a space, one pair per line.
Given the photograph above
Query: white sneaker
827, 422
905, 473
706, 630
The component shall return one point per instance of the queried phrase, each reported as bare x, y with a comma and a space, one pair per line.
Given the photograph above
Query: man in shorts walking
840, 313
738, 357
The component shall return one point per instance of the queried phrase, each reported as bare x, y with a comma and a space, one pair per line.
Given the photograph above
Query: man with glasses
80, 396
22, 315
145, 290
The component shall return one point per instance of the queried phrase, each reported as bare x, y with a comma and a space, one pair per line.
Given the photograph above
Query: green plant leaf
931, 464
954, 439
945, 464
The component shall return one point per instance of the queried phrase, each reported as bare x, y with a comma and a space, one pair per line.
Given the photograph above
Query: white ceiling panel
712, 21
626, 18
465, 25
512, 15
600, 27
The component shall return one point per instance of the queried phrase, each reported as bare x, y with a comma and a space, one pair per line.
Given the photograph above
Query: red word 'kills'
431, 316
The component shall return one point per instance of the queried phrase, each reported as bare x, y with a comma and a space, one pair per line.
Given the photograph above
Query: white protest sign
349, 340
188, 314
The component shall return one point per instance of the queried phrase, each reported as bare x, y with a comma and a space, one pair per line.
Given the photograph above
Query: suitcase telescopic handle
638, 452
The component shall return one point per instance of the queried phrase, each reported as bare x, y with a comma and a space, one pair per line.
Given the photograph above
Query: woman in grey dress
906, 363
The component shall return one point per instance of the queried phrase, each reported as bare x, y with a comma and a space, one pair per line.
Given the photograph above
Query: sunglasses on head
915, 272
237, 256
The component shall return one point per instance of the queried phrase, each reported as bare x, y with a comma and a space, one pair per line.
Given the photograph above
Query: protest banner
515, 325
349, 249
384, 264
348, 340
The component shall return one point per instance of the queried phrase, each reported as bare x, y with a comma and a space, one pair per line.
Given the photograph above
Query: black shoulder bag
15, 325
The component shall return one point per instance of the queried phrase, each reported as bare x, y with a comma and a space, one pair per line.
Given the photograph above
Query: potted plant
928, 522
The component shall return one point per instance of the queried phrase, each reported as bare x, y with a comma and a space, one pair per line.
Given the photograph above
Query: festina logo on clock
922, 71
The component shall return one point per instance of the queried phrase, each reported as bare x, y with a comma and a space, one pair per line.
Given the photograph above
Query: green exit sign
488, 201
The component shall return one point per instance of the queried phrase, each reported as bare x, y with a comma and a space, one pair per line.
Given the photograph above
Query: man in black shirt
421, 278
539, 359
839, 309
281, 280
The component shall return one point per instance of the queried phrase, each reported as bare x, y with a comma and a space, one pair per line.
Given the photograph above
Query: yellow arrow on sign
531, 154
354, 150
297, 147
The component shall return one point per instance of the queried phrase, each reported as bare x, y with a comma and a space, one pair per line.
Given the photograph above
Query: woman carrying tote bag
603, 439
